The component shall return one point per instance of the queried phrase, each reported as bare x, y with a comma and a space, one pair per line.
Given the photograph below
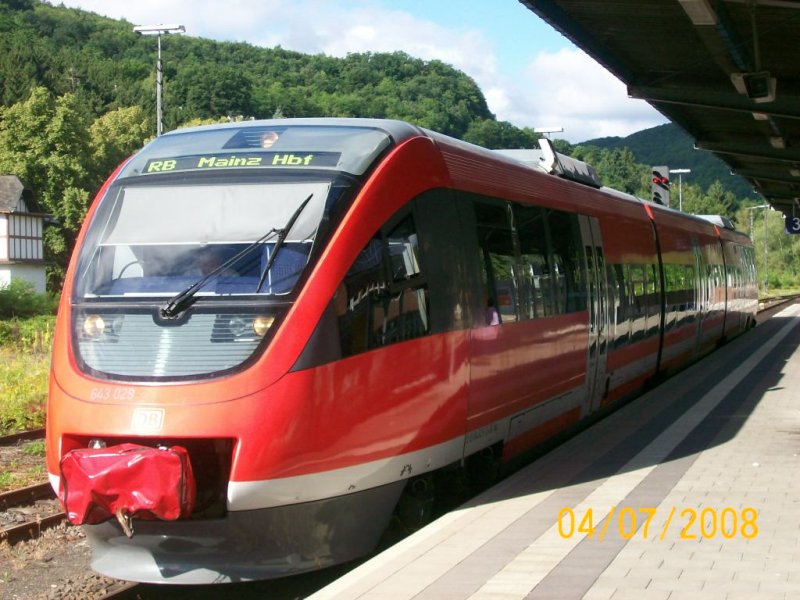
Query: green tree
115, 136
713, 201
45, 141
500, 134
209, 90
617, 168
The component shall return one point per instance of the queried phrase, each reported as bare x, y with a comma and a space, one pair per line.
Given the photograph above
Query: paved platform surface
691, 491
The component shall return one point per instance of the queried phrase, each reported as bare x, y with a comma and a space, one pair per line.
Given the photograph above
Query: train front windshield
197, 249
158, 240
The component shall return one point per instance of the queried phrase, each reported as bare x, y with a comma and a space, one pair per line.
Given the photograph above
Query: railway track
768, 306
26, 495
22, 436
26, 512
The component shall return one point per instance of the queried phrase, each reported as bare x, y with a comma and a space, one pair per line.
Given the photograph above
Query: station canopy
726, 71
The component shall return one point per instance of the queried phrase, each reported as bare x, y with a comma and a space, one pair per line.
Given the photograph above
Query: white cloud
569, 89
564, 88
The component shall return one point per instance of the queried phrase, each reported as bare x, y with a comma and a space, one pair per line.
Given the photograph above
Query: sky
530, 75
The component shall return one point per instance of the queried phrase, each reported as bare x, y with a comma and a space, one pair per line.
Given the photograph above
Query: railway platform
690, 491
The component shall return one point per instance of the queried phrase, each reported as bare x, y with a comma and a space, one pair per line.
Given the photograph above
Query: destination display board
243, 160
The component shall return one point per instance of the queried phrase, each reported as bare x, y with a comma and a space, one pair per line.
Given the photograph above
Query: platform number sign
792, 224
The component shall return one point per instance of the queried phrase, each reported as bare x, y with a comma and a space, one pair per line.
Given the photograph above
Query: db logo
147, 419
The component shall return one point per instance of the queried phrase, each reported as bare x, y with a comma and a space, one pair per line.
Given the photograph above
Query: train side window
688, 294
568, 262
407, 312
496, 241
653, 299
622, 319
404, 250
384, 296
679, 291
358, 297
535, 289
638, 287
669, 288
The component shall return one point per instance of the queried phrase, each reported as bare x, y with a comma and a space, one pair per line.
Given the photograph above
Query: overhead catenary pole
158, 31
750, 209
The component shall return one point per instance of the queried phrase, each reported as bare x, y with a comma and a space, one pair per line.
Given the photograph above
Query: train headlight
239, 327
262, 324
94, 326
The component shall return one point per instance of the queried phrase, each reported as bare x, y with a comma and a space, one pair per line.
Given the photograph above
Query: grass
23, 390
22, 466
24, 367
778, 293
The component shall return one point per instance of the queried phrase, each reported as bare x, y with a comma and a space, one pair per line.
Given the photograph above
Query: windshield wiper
281, 239
184, 299
180, 302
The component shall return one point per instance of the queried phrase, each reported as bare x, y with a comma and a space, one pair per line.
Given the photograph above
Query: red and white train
269, 329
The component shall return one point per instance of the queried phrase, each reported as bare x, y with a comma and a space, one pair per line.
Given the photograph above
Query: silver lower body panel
246, 545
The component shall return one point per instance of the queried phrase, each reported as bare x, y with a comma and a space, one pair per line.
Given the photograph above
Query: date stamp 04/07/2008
688, 523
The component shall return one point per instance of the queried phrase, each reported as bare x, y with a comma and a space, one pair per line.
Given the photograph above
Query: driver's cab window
384, 296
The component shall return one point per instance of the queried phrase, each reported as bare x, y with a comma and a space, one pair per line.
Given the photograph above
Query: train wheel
483, 468
415, 509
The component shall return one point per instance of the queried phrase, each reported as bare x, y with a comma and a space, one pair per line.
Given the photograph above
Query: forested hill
77, 96
670, 145
108, 66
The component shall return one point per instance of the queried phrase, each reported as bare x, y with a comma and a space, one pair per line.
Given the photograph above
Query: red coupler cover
142, 482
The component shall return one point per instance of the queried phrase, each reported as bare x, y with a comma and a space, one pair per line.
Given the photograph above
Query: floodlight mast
680, 173
158, 31
548, 130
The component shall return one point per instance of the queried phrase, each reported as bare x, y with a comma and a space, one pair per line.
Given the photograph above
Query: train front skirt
246, 545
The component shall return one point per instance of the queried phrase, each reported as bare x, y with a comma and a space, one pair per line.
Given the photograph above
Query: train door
596, 376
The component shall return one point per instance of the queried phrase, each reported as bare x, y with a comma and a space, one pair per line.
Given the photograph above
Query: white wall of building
35, 274
3, 237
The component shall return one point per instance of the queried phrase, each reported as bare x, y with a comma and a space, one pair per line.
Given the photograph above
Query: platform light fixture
158, 31
759, 87
700, 12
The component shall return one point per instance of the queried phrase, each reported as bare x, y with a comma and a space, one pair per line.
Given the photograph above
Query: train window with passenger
533, 263
384, 296
496, 241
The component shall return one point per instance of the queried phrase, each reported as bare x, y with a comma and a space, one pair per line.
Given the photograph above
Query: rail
21, 436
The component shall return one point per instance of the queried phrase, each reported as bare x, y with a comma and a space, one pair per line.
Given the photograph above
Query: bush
19, 299
774, 280
23, 390
28, 335
24, 365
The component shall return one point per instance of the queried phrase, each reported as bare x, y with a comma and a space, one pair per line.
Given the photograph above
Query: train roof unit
719, 221
548, 160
